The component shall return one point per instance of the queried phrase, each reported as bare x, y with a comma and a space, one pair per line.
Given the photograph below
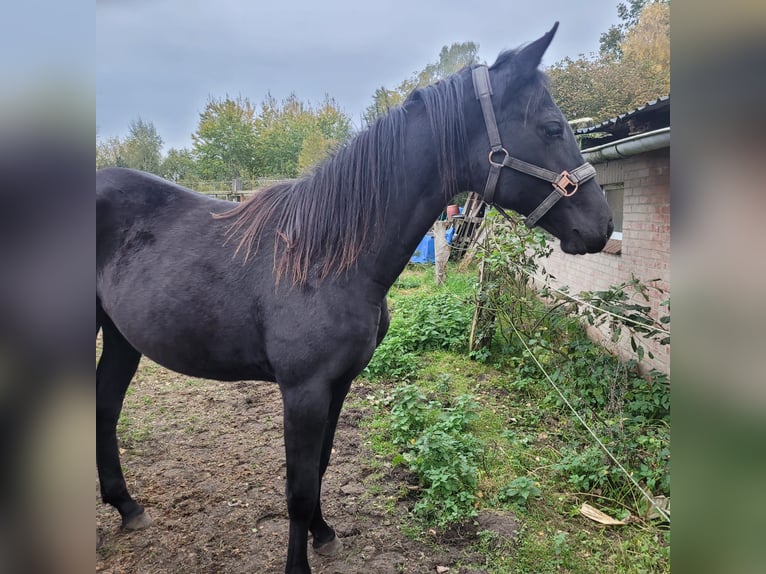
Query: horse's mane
330, 217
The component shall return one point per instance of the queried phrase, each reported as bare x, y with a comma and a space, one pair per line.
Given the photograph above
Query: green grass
525, 435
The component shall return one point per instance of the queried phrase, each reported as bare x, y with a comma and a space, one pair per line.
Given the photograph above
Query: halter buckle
565, 184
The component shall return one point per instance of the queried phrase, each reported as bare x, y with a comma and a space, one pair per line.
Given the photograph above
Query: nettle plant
418, 324
519, 491
437, 445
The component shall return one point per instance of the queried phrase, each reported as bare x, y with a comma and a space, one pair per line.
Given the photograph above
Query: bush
437, 445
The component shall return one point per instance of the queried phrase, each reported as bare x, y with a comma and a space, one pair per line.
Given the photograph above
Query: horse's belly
197, 345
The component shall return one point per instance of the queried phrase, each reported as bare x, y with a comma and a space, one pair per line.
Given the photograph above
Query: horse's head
533, 160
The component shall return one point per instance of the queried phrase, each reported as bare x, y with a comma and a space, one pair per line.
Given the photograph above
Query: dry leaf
442, 569
596, 515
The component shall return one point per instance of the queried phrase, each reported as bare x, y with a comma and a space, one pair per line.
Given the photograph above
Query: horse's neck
413, 206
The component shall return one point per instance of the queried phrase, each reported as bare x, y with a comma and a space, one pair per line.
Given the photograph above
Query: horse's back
134, 207
139, 194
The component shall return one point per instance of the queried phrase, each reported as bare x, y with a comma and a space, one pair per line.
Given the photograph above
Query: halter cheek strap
565, 184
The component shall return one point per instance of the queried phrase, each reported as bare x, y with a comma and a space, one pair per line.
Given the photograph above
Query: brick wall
645, 241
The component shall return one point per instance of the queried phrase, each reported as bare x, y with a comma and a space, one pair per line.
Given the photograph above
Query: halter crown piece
565, 184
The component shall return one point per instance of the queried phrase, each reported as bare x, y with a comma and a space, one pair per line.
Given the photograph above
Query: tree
452, 58
110, 153
630, 13
606, 85
143, 147
224, 143
382, 100
277, 139
292, 136
281, 129
314, 149
179, 165
647, 44
332, 123
332, 127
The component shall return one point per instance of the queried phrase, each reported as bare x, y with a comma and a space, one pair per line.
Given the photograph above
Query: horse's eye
553, 129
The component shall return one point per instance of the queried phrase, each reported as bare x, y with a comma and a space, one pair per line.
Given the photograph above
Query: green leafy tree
291, 136
314, 149
225, 141
281, 129
143, 146
451, 59
332, 122
382, 100
331, 128
179, 165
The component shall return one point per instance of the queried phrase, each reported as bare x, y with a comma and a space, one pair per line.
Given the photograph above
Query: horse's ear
529, 57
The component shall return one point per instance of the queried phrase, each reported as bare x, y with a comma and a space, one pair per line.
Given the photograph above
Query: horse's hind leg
116, 367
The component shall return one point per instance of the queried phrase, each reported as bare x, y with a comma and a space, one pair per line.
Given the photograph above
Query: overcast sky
162, 59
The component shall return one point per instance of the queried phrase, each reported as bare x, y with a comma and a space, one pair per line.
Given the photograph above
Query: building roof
651, 116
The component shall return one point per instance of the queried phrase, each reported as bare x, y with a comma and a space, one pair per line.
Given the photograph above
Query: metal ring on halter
493, 152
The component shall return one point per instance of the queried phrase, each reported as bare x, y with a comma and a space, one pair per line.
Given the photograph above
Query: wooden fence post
483, 324
441, 251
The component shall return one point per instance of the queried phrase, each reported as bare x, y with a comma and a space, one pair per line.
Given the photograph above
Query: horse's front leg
325, 542
306, 417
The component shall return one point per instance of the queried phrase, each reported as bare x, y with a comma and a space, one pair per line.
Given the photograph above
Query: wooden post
483, 324
473, 248
441, 251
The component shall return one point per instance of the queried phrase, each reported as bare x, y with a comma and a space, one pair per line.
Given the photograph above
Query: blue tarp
424, 252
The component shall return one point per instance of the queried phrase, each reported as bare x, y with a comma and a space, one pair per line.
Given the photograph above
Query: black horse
290, 286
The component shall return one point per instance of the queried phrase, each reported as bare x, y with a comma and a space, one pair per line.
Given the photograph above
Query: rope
645, 494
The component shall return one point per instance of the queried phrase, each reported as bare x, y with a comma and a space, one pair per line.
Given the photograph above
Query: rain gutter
633, 145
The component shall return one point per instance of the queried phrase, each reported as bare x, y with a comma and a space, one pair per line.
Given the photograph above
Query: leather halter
565, 184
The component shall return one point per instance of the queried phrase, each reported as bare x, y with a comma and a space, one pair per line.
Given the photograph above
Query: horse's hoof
137, 522
331, 548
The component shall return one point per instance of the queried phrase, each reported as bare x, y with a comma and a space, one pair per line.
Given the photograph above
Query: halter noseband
565, 184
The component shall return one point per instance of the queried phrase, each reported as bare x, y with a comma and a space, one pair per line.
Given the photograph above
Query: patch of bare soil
206, 459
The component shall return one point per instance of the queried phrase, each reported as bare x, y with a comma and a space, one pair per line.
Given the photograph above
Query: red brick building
633, 165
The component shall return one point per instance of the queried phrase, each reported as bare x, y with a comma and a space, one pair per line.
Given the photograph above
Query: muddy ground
206, 459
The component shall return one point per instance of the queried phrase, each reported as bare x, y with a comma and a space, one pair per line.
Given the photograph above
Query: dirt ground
206, 459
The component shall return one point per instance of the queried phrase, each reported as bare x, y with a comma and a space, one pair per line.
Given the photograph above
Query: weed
433, 321
519, 491
522, 441
436, 445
